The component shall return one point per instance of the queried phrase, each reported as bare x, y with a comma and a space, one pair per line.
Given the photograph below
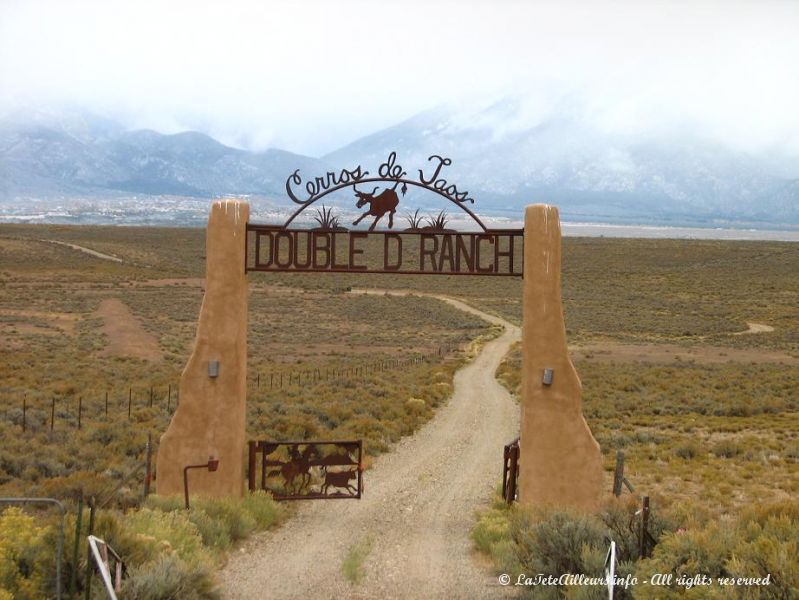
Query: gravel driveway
416, 513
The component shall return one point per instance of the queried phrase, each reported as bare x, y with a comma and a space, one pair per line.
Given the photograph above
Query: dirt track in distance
416, 512
126, 336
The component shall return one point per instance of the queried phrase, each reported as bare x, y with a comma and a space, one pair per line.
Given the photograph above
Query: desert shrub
174, 528
491, 535
23, 572
263, 509
618, 516
229, 511
727, 449
169, 578
792, 453
688, 450
221, 521
214, 532
557, 542
164, 503
551, 542
760, 541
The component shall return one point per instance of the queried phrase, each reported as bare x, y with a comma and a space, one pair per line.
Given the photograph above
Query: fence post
259, 381
148, 466
106, 403
618, 474
88, 589
24, 414
73, 582
52, 414
151, 396
80, 410
130, 399
642, 551
169, 398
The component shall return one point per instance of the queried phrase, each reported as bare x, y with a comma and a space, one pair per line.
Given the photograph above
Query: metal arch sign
426, 246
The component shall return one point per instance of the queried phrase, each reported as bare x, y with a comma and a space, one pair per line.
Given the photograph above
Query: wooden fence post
88, 589
24, 414
73, 582
642, 534
148, 472
52, 415
618, 474
80, 410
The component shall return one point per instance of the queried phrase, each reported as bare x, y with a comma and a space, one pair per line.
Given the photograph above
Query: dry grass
724, 430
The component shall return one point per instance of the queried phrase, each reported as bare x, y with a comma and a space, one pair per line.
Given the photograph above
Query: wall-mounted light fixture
213, 368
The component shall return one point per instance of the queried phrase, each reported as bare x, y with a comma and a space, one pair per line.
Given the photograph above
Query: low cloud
312, 76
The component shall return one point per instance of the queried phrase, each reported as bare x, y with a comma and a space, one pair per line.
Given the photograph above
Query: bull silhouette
339, 479
385, 202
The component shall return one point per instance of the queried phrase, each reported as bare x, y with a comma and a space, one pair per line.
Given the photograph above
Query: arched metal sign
426, 246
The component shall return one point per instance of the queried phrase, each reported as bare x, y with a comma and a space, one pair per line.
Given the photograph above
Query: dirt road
88, 251
416, 512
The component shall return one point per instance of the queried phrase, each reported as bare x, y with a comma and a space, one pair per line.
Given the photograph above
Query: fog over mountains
503, 161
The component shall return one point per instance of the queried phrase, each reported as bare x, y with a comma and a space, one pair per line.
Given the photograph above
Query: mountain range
504, 162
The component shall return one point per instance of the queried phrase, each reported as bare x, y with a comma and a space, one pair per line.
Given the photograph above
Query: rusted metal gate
307, 470
510, 471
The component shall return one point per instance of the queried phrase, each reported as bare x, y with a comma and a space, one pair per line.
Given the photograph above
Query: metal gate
510, 471
307, 470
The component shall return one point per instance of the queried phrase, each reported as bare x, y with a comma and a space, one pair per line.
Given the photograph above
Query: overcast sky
310, 76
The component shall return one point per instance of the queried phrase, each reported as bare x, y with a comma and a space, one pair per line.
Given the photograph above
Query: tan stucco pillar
211, 417
560, 463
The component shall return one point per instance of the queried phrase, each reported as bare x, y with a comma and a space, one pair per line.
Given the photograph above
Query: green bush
619, 517
23, 574
263, 509
727, 449
222, 521
238, 522
164, 503
688, 450
491, 535
170, 578
761, 541
214, 532
173, 530
555, 542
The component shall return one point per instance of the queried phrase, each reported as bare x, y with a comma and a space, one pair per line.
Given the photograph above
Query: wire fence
35, 412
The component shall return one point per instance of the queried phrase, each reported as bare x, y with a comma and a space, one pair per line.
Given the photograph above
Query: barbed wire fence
35, 412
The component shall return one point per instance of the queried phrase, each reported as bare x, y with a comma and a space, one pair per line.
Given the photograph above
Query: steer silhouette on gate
379, 205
